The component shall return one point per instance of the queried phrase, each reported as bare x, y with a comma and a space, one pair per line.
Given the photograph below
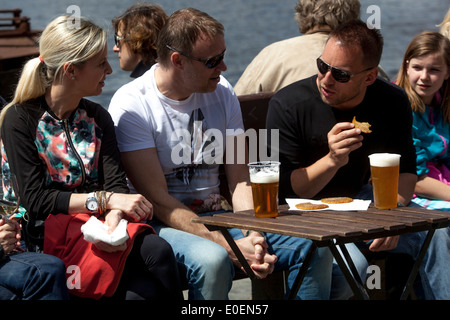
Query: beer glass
264, 178
384, 168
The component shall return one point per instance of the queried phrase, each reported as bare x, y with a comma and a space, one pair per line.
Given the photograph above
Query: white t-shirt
189, 135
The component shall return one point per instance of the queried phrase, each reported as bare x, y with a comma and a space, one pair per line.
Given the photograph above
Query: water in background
250, 25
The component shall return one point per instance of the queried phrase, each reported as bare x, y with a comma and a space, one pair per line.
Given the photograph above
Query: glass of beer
264, 178
384, 168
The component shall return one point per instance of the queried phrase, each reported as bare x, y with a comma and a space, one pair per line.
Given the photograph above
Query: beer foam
264, 177
384, 159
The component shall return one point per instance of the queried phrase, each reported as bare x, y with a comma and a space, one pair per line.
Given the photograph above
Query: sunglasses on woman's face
117, 39
210, 63
339, 75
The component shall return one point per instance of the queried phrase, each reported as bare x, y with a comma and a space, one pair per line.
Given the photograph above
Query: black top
304, 121
2, 102
140, 69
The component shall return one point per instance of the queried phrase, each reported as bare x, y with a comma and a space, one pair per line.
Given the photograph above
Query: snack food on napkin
336, 200
310, 206
354, 205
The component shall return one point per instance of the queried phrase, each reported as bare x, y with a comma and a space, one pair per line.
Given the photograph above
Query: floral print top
53, 157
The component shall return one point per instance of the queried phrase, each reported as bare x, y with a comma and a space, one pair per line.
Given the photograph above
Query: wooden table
331, 229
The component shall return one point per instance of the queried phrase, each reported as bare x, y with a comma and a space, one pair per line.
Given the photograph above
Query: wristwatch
92, 202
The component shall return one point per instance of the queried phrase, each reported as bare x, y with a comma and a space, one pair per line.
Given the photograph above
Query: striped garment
432, 204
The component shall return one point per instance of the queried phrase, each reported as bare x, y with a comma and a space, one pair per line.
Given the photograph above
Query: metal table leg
351, 264
354, 279
417, 263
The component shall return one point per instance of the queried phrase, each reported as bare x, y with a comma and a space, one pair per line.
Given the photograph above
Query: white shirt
189, 135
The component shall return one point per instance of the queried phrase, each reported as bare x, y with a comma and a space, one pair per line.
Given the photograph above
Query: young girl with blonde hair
424, 76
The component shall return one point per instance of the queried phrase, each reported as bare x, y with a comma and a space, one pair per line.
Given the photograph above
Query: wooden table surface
332, 228
347, 226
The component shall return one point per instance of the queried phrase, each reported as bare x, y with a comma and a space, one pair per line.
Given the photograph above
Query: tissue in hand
95, 230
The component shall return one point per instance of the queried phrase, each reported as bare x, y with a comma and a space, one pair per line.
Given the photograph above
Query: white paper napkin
95, 230
355, 205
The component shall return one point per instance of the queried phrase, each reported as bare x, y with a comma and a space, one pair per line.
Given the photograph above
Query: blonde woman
63, 151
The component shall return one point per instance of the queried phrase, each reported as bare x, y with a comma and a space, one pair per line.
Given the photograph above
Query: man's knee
215, 262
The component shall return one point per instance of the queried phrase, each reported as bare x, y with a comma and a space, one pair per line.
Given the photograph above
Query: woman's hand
134, 206
112, 219
9, 235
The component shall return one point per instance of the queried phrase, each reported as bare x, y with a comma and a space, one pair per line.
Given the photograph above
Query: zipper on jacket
69, 139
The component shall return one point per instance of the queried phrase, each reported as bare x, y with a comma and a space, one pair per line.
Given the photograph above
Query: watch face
92, 205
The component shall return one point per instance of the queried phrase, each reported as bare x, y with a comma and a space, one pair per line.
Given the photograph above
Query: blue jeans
434, 268
210, 271
32, 276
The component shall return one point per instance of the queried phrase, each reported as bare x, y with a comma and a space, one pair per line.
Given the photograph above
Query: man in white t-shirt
172, 128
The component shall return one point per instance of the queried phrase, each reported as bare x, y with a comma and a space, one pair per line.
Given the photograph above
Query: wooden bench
254, 110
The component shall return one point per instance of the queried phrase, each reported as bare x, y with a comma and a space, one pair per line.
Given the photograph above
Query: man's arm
406, 185
343, 138
239, 185
238, 177
145, 173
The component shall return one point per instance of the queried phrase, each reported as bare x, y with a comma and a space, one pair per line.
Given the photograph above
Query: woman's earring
73, 78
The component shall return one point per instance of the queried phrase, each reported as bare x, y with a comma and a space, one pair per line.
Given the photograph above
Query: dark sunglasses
338, 74
117, 39
210, 63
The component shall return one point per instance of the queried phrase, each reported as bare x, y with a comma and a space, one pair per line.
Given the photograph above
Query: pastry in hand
363, 126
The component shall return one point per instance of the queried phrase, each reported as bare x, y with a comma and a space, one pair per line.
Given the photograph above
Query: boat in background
18, 44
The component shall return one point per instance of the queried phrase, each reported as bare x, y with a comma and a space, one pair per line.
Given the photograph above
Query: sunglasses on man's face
209, 63
117, 39
338, 74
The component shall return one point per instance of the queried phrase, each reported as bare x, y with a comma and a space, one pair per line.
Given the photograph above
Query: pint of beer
384, 168
264, 178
